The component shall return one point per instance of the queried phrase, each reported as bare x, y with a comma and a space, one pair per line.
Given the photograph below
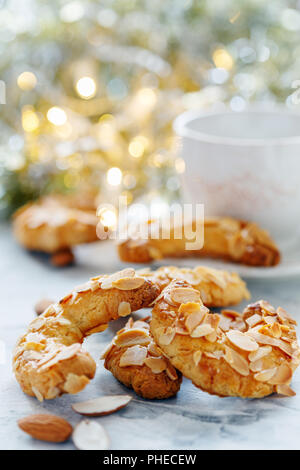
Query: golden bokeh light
30, 119
137, 146
86, 87
114, 176
57, 116
26, 81
223, 59
107, 217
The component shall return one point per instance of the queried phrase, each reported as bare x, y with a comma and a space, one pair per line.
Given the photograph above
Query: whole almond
41, 305
46, 427
62, 258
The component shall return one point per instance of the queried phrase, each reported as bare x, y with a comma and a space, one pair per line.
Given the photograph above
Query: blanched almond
202, 330
156, 364
261, 352
133, 356
276, 330
171, 372
265, 375
106, 282
183, 295
241, 340
153, 349
90, 435
236, 361
124, 309
102, 406
107, 350
265, 339
132, 336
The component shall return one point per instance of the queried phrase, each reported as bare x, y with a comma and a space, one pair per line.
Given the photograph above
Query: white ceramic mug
245, 165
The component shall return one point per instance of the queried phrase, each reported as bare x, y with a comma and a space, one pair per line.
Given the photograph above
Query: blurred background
92, 87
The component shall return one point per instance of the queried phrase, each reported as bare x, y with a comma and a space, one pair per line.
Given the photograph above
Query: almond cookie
52, 224
224, 237
217, 288
49, 359
249, 355
135, 360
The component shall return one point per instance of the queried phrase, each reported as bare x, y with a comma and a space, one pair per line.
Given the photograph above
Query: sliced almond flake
256, 366
261, 352
218, 354
241, 340
141, 324
265, 375
156, 364
133, 356
66, 353
153, 349
124, 309
181, 331
129, 324
213, 319
266, 306
284, 316
32, 355
37, 323
236, 361
37, 393
224, 323
183, 295
127, 283
212, 337
269, 320
193, 319
107, 350
202, 330
97, 329
276, 330
285, 390
166, 335
283, 375
197, 357
265, 339
171, 372
133, 336
231, 313
254, 320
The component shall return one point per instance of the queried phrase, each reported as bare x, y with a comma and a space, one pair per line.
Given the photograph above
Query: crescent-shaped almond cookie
224, 237
54, 223
217, 288
49, 359
250, 355
135, 360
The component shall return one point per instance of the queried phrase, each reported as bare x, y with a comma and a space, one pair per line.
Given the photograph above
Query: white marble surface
192, 420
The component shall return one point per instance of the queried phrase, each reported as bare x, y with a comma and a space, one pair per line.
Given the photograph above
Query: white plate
288, 267
103, 257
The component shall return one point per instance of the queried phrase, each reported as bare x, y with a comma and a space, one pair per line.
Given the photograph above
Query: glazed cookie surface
249, 355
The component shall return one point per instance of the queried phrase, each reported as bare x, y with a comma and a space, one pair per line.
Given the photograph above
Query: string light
86, 87
223, 59
30, 119
114, 176
137, 146
57, 116
26, 81
107, 217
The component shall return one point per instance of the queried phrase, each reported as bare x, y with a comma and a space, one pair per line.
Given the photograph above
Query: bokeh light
57, 116
86, 87
114, 176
